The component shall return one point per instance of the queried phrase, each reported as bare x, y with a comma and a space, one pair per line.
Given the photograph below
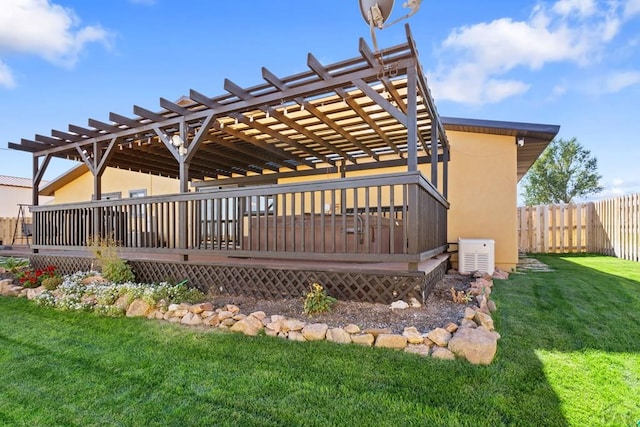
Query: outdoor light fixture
176, 140
520, 141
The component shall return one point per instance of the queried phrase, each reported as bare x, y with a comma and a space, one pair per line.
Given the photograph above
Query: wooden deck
381, 282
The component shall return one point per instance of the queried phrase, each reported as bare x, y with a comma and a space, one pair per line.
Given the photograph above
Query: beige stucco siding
482, 192
116, 180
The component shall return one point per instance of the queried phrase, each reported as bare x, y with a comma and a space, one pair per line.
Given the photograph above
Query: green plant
52, 282
104, 249
105, 252
317, 300
33, 278
170, 293
461, 297
117, 271
14, 265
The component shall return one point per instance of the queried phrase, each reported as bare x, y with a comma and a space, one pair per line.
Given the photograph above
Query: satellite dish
376, 12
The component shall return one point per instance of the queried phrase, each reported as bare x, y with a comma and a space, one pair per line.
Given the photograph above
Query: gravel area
438, 311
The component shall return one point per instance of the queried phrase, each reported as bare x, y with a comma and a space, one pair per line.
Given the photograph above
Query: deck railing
394, 217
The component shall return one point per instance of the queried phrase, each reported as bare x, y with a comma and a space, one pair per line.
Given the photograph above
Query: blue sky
575, 63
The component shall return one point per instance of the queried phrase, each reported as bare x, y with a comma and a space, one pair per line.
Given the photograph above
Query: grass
570, 355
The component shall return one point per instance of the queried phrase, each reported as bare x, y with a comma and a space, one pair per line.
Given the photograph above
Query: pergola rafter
367, 111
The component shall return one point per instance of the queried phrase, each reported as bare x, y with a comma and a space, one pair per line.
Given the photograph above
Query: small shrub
33, 278
461, 297
14, 265
317, 300
51, 283
117, 271
170, 293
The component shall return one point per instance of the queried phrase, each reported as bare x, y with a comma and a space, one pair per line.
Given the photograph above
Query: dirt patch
438, 311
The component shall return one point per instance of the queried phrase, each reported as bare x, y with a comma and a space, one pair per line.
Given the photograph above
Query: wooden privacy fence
7, 229
608, 227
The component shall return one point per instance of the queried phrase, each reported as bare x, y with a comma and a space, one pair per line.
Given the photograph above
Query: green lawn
570, 355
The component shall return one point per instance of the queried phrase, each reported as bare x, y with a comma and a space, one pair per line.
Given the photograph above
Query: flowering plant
317, 300
33, 278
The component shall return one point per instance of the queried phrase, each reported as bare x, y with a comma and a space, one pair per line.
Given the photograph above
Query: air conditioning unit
476, 255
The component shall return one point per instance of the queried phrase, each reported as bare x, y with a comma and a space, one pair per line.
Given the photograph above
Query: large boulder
338, 335
477, 345
139, 308
315, 331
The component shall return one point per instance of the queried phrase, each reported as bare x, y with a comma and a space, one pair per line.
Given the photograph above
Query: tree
564, 170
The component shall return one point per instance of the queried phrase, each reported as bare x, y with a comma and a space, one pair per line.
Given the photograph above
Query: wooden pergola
371, 111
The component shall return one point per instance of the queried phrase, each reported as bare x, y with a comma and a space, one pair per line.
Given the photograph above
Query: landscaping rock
442, 353
248, 326
296, 336
412, 335
260, 315
419, 349
352, 329
478, 345
363, 339
468, 323
191, 319
483, 319
399, 305
275, 326
228, 322
451, 327
122, 302
500, 274
224, 314
292, 325
439, 336
414, 303
338, 335
469, 313
315, 331
138, 308
212, 320
35, 292
491, 305
377, 331
391, 341
4, 286
232, 308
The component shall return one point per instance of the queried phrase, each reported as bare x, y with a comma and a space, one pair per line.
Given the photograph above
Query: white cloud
631, 8
6, 78
45, 29
620, 80
581, 7
478, 58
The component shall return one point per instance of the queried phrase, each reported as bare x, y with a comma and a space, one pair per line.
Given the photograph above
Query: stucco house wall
483, 193
80, 187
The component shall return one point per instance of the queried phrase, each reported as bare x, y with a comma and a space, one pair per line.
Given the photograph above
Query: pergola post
434, 154
412, 163
183, 224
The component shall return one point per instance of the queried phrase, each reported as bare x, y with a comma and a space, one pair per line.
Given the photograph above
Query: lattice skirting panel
271, 283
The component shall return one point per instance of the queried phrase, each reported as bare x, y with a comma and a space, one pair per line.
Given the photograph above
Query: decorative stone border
472, 338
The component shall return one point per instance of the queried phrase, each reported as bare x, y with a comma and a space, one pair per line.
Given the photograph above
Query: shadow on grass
581, 323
